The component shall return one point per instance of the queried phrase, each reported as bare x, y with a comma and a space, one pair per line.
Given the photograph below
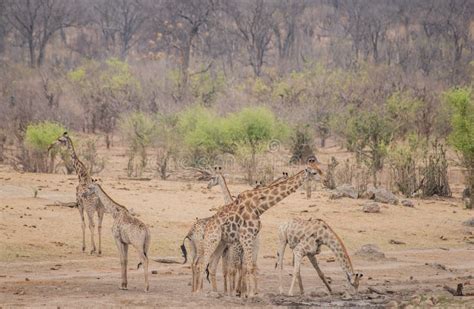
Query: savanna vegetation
185, 82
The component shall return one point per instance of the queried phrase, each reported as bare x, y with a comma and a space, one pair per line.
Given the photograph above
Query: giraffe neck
273, 194
225, 190
109, 204
335, 244
79, 167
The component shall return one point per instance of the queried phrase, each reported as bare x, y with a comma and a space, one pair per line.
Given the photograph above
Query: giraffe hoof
83, 249
92, 252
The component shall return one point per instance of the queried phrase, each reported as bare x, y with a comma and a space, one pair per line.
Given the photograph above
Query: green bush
253, 130
204, 134
367, 135
38, 137
462, 135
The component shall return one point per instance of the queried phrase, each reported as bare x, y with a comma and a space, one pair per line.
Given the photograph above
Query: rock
469, 222
382, 195
344, 191
370, 252
154, 272
408, 203
371, 207
416, 300
391, 304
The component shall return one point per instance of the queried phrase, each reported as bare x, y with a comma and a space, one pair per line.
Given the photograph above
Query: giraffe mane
108, 196
341, 243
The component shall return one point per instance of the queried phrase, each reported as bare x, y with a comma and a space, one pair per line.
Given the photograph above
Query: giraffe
233, 254
90, 204
127, 230
305, 238
240, 221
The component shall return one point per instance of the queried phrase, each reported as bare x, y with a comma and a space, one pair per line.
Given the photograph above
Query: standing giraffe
305, 238
196, 232
240, 221
90, 203
127, 230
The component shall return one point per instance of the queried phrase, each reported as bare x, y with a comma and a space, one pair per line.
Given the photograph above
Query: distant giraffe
240, 221
127, 230
305, 238
90, 204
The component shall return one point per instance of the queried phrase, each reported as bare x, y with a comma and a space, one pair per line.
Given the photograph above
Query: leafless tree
123, 20
253, 20
38, 20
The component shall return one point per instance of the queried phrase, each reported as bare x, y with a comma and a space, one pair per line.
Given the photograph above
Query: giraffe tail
184, 251
146, 246
207, 273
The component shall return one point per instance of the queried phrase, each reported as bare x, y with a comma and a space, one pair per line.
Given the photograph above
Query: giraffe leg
313, 261
193, 265
296, 269
279, 263
80, 206
250, 279
300, 283
100, 214
123, 252
90, 215
209, 247
214, 261
225, 267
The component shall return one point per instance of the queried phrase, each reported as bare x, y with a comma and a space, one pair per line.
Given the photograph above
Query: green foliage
462, 135
402, 109
205, 134
252, 130
367, 135
255, 127
39, 136
205, 87
462, 121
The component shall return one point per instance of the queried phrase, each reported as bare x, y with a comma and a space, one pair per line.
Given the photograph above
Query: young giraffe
305, 238
89, 204
127, 230
240, 221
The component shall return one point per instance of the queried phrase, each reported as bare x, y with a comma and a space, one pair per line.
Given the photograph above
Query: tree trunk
107, 140
32, 52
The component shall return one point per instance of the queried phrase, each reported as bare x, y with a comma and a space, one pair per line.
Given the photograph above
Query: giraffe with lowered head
240, 222
305, 238
90, 203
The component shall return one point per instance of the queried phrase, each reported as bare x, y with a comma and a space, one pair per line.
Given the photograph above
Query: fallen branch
135, 178
376, 291
67, 204
396, 242
167, 261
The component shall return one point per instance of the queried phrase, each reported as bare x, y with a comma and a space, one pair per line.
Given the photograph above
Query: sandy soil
41, 262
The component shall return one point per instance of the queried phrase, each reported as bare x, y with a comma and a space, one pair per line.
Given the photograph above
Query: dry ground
41, 262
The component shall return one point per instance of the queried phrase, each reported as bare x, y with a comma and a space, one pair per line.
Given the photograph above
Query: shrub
138, 130
462, 135
252, 130
204, 134
38, 137
367, 135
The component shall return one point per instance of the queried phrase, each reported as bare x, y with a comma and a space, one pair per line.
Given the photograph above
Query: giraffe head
313, 167
91, 189
215, 177
354, 280
63, 140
